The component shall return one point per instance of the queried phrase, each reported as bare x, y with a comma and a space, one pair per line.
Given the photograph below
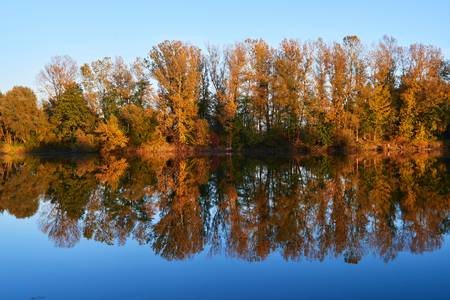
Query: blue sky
33, 31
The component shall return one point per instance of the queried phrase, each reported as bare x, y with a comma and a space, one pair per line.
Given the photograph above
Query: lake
225, 227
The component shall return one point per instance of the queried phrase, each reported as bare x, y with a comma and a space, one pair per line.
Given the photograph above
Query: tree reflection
304, 208
179, 232
21, 186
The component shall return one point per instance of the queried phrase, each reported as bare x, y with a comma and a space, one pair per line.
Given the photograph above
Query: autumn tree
260, 77
21, 120
356, 83
292, 87
383, 84
347, 79
227, 73
110, 135
176, 68
338, 81
321, 108
424, 94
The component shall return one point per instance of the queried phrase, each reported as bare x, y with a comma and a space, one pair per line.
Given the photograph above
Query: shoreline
386, 148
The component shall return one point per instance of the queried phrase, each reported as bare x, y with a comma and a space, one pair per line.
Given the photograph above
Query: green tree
139, 123
69, 113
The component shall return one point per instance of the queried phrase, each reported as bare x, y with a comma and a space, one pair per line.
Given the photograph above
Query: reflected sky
222, 228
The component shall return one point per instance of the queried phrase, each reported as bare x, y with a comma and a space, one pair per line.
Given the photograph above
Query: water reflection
303, 208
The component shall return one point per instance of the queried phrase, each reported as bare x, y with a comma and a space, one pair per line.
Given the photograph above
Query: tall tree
176, 67
227, 75
356, 87
424, 94
206, 101
292, 87
322, 105
381, 103
338, 83
261, 79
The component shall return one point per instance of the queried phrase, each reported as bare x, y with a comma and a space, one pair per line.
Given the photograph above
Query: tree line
300, 94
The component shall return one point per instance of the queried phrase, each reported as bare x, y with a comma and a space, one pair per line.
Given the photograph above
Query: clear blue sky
33, 31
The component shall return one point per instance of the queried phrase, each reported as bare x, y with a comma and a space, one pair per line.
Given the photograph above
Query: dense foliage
300, 94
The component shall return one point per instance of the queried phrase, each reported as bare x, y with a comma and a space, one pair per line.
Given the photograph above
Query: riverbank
164, 150
387, 147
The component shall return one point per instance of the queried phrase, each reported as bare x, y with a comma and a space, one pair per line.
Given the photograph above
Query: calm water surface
225, 228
